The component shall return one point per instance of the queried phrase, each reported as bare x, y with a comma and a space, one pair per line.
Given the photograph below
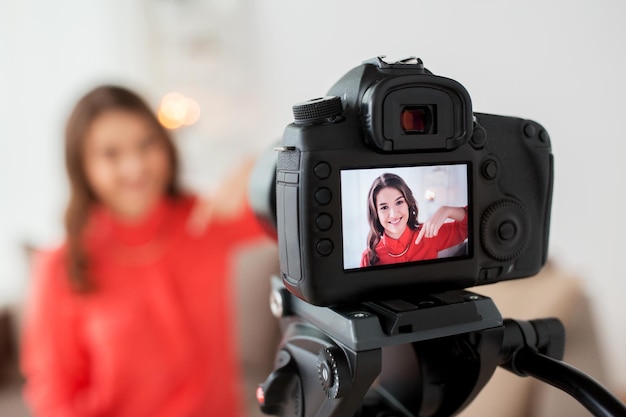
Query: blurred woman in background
133, 314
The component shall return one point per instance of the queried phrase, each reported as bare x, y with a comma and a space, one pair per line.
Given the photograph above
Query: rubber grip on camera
289, 232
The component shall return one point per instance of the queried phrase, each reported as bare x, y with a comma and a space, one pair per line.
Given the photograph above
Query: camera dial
317, 110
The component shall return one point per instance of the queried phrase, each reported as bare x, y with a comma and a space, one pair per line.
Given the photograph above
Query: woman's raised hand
431, 227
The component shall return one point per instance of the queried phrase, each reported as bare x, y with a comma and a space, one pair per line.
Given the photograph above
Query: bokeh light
177, 110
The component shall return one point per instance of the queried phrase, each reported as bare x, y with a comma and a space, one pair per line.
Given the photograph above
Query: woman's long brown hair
376, 229
96, 102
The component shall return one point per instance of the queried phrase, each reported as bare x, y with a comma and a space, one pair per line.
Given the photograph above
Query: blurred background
237, 66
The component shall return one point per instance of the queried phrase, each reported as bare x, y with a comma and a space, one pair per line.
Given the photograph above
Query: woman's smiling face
393, 211
126, 162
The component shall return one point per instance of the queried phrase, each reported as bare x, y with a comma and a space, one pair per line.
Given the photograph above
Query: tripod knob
333, 372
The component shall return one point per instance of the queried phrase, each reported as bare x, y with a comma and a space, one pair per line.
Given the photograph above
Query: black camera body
398, 118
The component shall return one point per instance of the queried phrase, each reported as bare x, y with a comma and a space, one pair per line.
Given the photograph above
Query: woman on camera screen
396, 236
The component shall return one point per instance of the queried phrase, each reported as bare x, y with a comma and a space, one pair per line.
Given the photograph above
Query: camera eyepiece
418, 120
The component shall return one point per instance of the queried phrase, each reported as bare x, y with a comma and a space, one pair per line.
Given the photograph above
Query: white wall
560, 63
51, 53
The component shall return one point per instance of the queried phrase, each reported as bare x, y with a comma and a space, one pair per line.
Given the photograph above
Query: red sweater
156, 338
404, 249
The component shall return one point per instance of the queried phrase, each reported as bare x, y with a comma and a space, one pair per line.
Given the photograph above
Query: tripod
418, 356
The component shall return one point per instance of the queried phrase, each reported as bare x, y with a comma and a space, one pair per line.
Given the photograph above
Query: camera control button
530, 130
323, 196
324, 247
544, 137
490, 274
489, 169
505, 230
322, 170
479, 136
324, 221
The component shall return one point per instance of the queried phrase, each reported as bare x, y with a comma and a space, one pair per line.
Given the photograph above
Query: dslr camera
391, 196
391, 185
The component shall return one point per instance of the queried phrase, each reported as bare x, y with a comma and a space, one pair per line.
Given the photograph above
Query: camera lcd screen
402, 215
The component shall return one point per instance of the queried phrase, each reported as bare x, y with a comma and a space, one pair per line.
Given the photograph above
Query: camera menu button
324, 221
323, 196
324, 247
322, 170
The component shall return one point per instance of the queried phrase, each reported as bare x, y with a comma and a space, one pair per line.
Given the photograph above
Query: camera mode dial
317, 110
505, 230
333, 372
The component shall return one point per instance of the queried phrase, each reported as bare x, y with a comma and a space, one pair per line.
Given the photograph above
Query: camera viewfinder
417, 120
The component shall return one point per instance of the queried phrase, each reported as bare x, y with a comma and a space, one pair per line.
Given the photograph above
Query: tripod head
429, 356
423, 356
